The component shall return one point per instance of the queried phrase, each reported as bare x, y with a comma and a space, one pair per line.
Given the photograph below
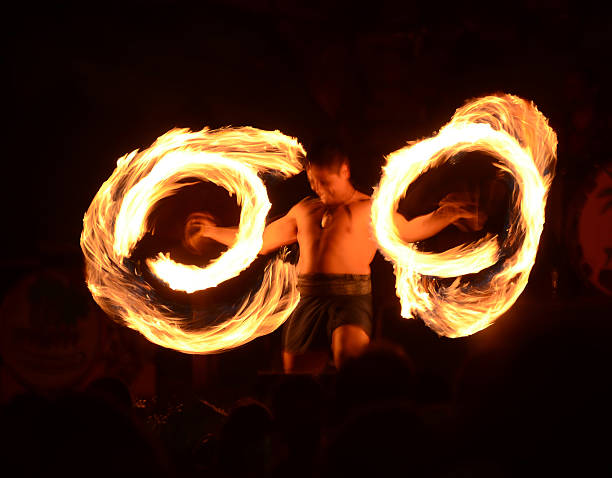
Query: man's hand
462, 210
197, 227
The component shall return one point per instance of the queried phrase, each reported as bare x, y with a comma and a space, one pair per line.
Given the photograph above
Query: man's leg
313, 362
348, 341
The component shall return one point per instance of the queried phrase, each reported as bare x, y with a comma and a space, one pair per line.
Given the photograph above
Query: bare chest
332, 225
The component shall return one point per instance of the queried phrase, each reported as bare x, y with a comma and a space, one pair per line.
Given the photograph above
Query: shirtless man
337, 245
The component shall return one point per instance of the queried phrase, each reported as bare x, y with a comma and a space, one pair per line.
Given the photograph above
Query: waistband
334, 284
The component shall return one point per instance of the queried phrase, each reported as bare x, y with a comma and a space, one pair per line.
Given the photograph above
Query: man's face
331, 186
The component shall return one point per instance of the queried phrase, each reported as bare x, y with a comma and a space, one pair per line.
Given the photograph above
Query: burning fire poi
518, 136
117, 219
508, 128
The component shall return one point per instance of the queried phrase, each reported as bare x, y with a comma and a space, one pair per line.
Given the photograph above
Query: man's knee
348, 341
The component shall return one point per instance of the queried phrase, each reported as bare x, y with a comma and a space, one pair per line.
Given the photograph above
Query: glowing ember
517, 135
117, 220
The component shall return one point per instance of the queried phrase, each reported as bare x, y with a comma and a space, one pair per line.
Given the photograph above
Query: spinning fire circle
117, 220
509, 129
517, 136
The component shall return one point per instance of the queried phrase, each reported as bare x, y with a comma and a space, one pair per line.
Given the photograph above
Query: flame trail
518, 136
117, 217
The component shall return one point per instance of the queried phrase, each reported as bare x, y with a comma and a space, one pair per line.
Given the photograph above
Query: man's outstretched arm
428, 225
200, 227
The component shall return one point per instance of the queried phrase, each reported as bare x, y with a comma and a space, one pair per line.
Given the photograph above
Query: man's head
329, 173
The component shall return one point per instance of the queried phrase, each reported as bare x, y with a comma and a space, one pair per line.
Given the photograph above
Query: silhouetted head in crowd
381, 440
298, 404
480, 384
297, 398
382, 373
245, 441
77, 435
111, 390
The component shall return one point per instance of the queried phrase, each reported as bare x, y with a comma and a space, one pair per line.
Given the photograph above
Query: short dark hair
328, 153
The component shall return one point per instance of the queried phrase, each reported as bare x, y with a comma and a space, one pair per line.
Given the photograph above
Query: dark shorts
327, 301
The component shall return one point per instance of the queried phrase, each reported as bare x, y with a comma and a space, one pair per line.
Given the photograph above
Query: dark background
88, 83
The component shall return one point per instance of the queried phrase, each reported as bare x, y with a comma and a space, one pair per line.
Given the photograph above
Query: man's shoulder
306, 205
309, 202
363, 201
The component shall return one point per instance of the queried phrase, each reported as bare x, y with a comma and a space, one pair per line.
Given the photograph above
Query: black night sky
87, 85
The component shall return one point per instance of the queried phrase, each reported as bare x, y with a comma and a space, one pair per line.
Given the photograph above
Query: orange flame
117, 219
514, 132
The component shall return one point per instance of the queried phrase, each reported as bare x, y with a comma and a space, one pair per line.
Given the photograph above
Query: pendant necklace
328, 213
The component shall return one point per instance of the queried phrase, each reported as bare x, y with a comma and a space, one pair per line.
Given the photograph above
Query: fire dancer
337, 245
